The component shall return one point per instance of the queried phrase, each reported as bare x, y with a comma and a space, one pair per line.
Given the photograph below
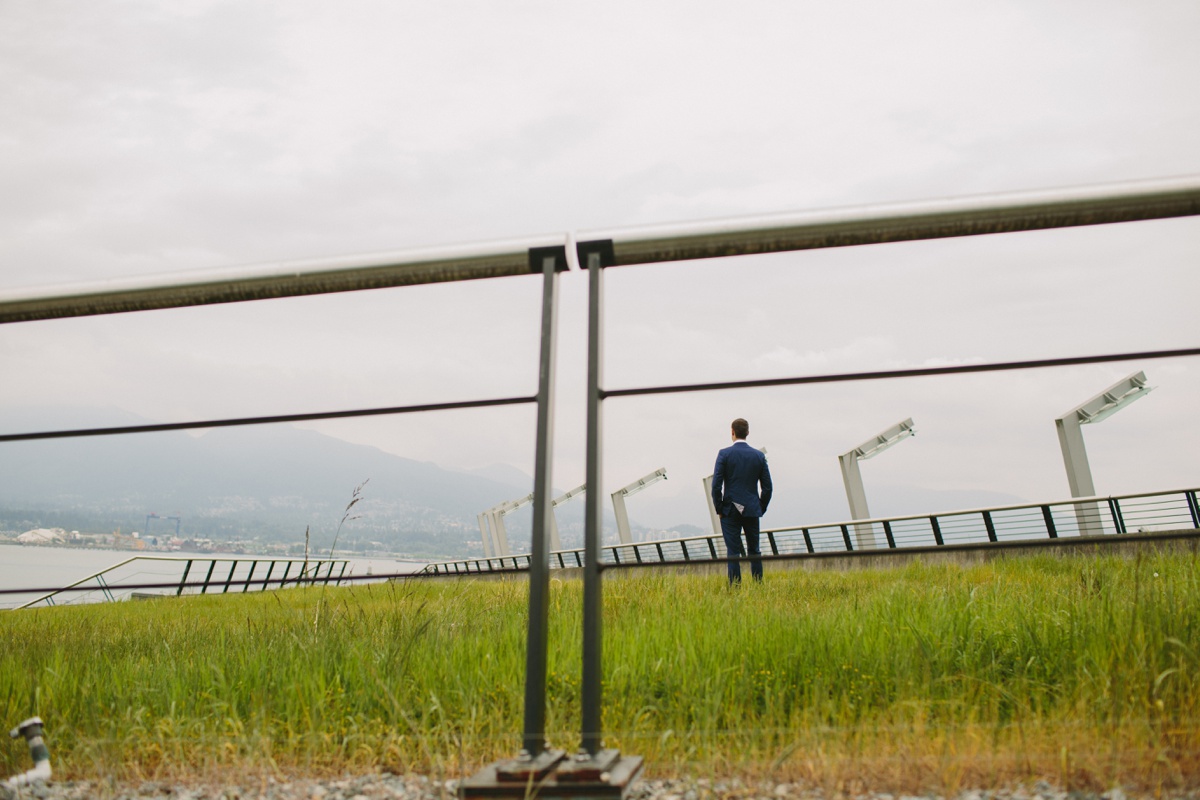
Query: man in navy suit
740, 471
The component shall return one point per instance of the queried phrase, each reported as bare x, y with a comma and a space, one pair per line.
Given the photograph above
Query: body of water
37, 567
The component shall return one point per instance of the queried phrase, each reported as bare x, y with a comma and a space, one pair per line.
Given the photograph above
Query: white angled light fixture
618, 499
852, 478
1070, 439
491, 525
555, 540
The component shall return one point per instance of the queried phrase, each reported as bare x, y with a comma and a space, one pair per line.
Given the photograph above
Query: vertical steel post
1114, 508
183, 580
991, 527
596, 256
547, 262
1193, 508
1051, 530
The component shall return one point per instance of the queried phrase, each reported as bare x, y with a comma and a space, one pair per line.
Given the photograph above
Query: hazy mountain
270, 481
267, 481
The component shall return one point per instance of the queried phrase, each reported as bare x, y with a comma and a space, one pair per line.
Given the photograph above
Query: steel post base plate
605, 776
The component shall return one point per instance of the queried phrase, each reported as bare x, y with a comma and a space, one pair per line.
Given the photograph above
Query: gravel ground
397, 787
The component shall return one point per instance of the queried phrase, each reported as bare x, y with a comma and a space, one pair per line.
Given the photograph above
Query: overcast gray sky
149, 137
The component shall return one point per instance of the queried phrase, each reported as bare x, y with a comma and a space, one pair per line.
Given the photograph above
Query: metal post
1070, 440
712, 510
549, 260
1051, 530
591, 686
554, 539
622, 517
1079, 473
500, 533
856, 495
183, 580
1114, 508
991, 527
485, 534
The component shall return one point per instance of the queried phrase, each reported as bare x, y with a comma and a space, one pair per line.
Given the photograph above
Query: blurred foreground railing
197, 575
1136, 513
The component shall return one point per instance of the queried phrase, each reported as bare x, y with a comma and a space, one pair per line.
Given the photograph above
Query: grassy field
1085, 671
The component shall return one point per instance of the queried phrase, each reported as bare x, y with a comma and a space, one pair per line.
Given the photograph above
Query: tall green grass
1086, 670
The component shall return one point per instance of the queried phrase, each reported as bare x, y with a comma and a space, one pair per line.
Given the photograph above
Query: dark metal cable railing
1167, 510
111, 584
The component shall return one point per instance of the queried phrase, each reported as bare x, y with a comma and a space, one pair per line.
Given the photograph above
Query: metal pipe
937, 219
31, 729
270, 281
539, 558
968, 216
591, 688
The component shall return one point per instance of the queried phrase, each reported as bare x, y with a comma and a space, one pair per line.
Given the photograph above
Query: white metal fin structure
499, 535
618, 499
1070, 439
555, 541
485, 533
498, 521
856, 495
712, 510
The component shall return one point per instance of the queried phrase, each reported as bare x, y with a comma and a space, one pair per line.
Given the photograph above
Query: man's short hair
741, 428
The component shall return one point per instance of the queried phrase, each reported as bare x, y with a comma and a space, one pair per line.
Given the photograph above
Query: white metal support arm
618, 498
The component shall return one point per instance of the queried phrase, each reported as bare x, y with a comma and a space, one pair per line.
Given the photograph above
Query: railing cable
914, 372
228, 423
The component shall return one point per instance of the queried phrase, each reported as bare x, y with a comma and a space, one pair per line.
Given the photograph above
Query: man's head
740, 428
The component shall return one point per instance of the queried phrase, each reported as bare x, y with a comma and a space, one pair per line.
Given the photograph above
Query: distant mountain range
270, 481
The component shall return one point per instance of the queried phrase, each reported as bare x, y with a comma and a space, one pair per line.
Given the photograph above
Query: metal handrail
994, 525
306, 575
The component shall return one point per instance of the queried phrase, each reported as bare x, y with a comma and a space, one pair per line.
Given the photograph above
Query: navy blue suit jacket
740, 471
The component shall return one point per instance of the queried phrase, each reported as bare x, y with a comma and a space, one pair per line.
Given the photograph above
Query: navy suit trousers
732, 526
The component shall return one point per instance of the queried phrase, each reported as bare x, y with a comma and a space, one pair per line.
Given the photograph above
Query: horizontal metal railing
1156, 511
115, 582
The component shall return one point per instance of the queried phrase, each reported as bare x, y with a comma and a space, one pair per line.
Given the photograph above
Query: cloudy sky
147, 137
